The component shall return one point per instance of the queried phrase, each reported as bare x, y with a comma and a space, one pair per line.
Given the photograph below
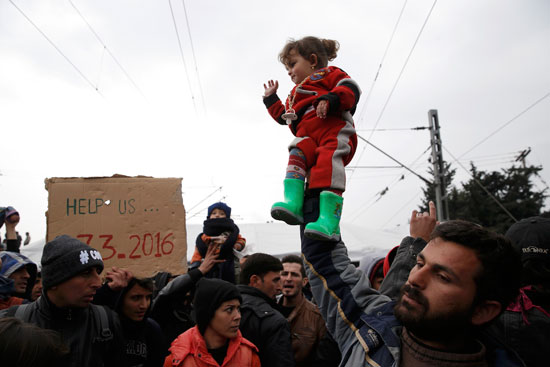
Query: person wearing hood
216, 339
145, 345
219, 229
18, 273
373, 267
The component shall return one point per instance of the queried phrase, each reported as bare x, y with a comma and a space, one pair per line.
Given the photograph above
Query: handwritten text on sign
135, 222
144, 245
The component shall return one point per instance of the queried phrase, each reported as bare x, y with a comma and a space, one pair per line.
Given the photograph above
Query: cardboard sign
136, 223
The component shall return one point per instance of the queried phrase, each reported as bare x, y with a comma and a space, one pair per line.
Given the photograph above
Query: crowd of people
452, 294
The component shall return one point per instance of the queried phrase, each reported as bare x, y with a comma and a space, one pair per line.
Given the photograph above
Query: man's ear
254, 280
485, 312
305, 280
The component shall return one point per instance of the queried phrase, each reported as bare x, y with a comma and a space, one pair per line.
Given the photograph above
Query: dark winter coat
90, 345
264, 326
144, 341
172, 306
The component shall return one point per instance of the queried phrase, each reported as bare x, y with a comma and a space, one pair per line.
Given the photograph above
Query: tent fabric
34, 251
279, 239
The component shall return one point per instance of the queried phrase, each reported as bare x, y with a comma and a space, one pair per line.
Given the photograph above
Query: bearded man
431, 305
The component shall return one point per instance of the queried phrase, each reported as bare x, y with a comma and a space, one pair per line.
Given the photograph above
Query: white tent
34, 250
279, 239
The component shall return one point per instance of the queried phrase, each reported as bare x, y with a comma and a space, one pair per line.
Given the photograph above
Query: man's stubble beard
437, 326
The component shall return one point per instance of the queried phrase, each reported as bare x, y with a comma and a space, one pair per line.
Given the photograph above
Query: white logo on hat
96, 255
84, 257
535, 250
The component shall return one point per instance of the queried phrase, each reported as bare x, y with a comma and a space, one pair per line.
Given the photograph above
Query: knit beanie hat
221, 206
209, 295
531, 237
64, 257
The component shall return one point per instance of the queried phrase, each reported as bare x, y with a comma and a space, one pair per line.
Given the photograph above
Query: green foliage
512, 187
429, 190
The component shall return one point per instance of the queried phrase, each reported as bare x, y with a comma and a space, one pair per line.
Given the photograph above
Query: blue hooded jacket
11, 262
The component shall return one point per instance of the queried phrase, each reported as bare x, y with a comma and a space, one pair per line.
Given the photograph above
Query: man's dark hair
296, 260
259, 264
145, 283
500, 275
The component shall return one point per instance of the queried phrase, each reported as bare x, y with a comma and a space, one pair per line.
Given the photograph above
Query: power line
499, 155
209, 195
193, 53
400, 209
401, 176
506, 124
481, 185
182, 57
395, 160
398, 129
403, 68
398, 78
57, 48
367, 206
387, 188
204, 208
105, 48
100, 67
364, 108
356, 167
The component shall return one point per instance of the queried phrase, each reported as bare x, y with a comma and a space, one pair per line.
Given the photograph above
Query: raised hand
270, 88
210, 259
118, 278
422, 224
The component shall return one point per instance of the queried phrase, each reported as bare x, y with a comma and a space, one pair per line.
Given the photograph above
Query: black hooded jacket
144, 342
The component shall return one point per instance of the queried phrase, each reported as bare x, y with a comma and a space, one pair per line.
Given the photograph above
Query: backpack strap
102, 320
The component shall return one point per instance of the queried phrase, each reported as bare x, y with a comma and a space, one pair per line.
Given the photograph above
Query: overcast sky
77, 111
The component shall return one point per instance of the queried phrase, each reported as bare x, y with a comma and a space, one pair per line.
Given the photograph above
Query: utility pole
522, 155
441, 203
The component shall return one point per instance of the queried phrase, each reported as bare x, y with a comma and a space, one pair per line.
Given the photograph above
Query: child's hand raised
270, 88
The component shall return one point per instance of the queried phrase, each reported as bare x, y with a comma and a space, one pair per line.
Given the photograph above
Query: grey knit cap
64, 257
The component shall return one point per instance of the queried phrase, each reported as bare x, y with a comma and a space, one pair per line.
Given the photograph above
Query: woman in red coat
216, 340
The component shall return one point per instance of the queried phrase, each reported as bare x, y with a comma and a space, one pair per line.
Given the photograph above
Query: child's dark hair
324, 49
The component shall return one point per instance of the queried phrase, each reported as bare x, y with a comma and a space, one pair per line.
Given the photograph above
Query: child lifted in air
219, 229
319, 112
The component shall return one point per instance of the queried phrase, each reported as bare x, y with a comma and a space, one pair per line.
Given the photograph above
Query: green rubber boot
327, 226
290, 210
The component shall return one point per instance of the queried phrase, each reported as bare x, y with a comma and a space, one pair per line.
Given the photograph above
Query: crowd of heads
479, 287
